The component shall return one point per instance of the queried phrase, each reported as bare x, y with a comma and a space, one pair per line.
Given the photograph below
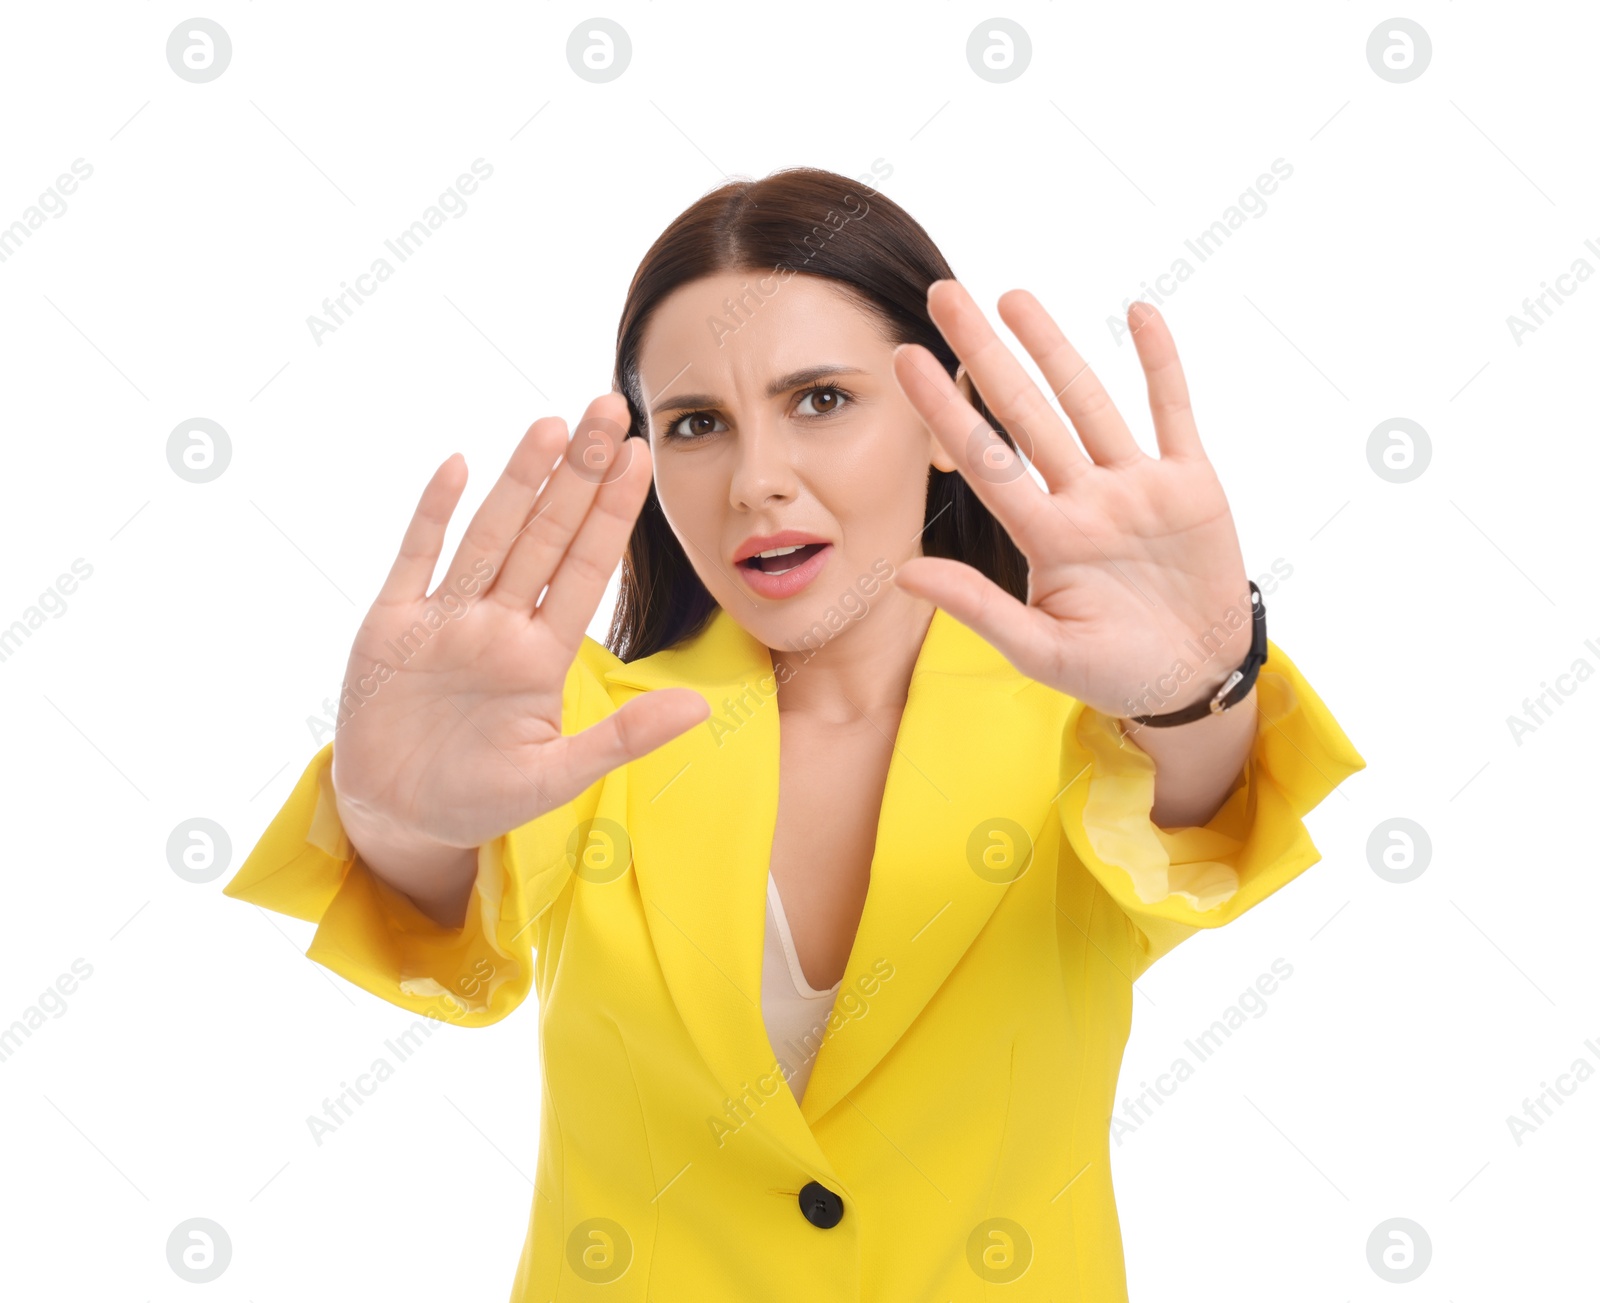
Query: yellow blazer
954, 1134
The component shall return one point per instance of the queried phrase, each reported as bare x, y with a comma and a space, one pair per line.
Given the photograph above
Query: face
775, 422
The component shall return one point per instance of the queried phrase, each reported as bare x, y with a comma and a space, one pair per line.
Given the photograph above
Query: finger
424, 537
580, 578
498, 518
1084, 399
1006, 387
1021, 633
635, 730
997, 475
1176, 433
591, 457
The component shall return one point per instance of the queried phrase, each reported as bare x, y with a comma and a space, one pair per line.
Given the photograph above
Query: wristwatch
1238, 684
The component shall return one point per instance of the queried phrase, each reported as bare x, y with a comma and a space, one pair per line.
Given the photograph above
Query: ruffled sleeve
1171, 882
304, 865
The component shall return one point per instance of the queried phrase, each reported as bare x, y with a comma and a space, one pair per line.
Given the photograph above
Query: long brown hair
807, 221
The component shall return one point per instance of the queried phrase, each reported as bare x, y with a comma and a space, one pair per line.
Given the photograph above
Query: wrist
1199, 687
1214, 696
436, 876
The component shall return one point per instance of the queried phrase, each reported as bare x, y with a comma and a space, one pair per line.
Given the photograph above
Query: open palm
453, 731
1138, 601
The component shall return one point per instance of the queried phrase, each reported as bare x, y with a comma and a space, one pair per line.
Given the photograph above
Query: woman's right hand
460, 741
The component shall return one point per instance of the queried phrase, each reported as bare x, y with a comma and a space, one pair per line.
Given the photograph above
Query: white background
179, 679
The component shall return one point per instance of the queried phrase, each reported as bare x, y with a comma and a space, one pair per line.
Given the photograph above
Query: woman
974, 747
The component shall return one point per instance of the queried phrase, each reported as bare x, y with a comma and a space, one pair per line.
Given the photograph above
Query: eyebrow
781, 385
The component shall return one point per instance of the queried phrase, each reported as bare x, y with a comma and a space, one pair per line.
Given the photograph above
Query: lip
765, 542
789, 582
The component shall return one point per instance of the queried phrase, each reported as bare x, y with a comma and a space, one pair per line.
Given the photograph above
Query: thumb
648, 721
1019, 632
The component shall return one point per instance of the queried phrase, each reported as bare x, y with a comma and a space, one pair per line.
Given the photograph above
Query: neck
864, 668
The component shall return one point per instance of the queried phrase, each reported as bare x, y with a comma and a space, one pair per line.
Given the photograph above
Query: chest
830, 791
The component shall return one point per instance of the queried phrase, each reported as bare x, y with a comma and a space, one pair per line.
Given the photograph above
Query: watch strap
1238, 684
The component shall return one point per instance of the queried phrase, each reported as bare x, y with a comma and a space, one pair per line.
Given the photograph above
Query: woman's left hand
1134, 566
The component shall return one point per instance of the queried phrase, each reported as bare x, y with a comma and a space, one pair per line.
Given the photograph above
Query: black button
820, 1205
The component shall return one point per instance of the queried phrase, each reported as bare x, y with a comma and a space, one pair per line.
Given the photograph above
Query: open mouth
784, 558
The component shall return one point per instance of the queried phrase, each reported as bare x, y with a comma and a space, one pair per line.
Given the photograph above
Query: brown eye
691, 426
825, 400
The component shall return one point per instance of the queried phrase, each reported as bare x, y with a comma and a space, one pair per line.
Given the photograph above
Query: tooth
782, 551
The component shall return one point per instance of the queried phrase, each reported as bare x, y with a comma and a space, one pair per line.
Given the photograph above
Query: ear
941, 459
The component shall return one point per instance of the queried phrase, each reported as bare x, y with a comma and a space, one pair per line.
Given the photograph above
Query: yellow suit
955, 1128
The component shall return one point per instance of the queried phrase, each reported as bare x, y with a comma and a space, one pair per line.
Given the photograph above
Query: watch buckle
1234, 680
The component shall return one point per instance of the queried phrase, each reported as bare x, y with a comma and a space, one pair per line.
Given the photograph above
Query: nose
763, 471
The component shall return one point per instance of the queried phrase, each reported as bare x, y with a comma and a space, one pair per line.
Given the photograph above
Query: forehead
739, 329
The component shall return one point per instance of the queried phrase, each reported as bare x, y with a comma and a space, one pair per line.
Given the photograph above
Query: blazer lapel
701, 815
969, 788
